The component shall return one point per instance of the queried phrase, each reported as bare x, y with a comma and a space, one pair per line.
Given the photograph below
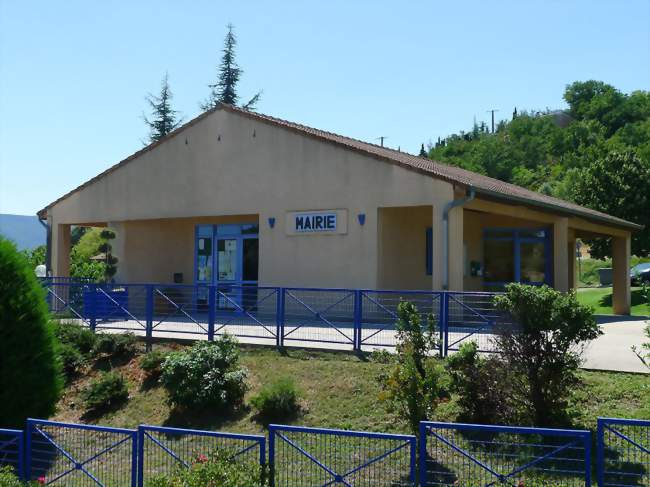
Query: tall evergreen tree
163, 119
423, 152
225, 89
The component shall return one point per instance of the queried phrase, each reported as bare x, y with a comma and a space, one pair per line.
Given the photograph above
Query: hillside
24, 230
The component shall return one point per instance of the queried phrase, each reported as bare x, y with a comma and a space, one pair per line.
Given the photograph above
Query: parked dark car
640, 274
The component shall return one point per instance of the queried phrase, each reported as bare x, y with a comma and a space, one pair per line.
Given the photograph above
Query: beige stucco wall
227, 165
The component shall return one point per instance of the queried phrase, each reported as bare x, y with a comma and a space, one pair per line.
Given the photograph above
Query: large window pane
251, 261
532, 262
499, 261
227, 259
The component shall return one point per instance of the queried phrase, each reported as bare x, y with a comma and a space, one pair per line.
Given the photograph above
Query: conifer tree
423, 152
164, 118
225, 89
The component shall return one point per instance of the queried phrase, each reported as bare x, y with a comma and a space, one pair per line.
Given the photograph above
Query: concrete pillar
621, 294
572, 264
437, 261
61, 250
456, 257
560, 257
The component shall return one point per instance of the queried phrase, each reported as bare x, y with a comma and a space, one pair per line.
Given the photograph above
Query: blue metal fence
301, 456
11, 449
479, 455
163, 450
77, 454
623, 452
340, 318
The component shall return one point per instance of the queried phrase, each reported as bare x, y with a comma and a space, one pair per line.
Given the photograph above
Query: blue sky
74, 74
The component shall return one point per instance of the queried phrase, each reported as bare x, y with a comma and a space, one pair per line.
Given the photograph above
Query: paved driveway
612, 350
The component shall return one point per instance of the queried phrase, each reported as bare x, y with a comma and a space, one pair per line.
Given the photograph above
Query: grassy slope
340, 391
601, 300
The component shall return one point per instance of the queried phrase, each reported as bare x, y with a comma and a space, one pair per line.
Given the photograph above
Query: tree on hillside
30, 371
617, 184
423, 152
164, 118
225, 89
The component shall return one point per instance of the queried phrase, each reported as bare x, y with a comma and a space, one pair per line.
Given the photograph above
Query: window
428, 258
516, 255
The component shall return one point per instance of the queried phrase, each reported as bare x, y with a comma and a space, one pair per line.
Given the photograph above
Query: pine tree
225, 89
163, 119
423, 152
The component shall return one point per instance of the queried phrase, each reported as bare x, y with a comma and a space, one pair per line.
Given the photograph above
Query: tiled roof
483, 185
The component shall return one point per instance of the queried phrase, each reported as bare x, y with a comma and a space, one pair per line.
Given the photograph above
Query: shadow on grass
95, 414
205, 420
637, 298
106, 363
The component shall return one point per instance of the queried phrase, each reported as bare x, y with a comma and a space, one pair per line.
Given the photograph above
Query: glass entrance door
231, 263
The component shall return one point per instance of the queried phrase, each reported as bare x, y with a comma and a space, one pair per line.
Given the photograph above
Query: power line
381, 138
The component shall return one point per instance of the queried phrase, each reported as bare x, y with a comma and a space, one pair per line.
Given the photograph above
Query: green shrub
82, 338
8, 478
105, 392
31, 379
483, 386
115, 344
151, 364
71, 359
277, 400
417, 382
381, 356
207, 375
217, 470
545, 352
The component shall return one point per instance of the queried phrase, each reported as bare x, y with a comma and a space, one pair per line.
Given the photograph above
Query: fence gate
322, 457
478, 455
11, 449
163, 450
623, 452
80, 455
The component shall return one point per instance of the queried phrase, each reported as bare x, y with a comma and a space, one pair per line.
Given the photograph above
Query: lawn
601, 300
339, 390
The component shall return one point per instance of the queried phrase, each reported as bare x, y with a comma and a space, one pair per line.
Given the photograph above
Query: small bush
207, 375
116, 345
545, 351
83, 339
151, 364
278, 400
31, 379
105, 392
218, 470
381, 356
8, 478
417, 382
71, 359
483, 386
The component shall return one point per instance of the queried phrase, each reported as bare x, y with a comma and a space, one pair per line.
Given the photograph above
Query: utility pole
382, 139
492, 112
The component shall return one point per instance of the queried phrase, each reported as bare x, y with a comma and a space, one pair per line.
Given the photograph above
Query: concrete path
612, 350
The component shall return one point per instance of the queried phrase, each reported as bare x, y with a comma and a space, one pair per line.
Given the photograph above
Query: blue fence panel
479, 455
246, 311
379, 314
623, 452
472, 316
319, 316
75, 454
11, 449
163, 450
66, 300
311, 456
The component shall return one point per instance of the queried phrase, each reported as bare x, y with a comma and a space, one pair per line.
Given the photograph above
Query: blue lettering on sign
316, 222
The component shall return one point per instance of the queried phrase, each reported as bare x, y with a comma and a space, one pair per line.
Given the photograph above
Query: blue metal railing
449, 454
623, 452
359, 319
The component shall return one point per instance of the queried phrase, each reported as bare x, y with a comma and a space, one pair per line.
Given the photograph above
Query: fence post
422, 453
149, 316
600, 453
140, 456
272, 454
279, 317
92, 307
358, 316
444, 323
212, 309
27, 457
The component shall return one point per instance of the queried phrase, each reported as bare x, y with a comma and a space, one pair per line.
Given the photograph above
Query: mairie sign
317, 222
322, 221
